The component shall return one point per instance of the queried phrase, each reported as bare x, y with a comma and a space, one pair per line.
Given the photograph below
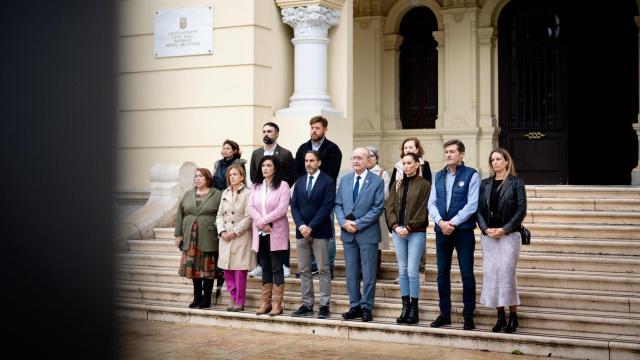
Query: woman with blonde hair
234, 227
502, 206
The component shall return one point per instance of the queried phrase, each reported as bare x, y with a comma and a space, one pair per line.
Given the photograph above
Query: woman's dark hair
277, 174
413, 156
207, 176
234, 146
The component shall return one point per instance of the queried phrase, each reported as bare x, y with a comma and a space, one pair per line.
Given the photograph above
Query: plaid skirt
195, 264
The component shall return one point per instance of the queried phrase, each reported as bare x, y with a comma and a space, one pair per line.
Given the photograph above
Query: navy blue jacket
315, 210
458, 196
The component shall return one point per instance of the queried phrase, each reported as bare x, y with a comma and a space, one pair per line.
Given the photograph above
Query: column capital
333, 4
392, 42
310, 20
486, 35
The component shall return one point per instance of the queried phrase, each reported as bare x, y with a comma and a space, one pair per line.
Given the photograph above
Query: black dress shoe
469, 324
366, 315
324, 312
303, 311
441, 320
354, 312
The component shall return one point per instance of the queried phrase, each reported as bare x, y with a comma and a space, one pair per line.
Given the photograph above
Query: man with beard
270, 132
331, 158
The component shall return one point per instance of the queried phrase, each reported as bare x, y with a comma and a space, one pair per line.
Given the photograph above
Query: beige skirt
499, 262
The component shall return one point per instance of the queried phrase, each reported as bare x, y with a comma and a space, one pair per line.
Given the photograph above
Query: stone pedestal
169, 182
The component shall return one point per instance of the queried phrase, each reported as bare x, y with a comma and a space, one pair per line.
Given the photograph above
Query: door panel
532, 95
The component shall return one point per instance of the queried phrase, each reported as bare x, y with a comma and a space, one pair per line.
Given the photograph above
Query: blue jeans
409, 250
464, 242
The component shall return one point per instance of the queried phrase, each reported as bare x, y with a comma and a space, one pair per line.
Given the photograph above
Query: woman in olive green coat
197, 236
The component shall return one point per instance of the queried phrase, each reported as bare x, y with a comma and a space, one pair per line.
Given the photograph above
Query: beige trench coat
233, 215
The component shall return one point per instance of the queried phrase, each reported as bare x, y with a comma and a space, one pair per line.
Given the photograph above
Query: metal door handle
534, 135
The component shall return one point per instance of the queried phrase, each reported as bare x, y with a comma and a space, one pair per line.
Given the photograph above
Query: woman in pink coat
268, 207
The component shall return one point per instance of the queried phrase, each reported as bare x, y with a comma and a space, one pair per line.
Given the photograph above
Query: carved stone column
310, 27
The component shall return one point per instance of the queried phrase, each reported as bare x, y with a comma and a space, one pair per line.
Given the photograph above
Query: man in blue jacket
453, 202
311, 206
359, 203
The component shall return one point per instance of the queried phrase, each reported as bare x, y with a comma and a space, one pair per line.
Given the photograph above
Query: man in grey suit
359, 203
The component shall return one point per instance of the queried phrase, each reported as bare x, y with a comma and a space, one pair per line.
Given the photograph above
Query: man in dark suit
311, 206
331, 158
359, 203
271, 131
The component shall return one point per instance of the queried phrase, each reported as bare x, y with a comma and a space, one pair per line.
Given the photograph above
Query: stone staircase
579, 283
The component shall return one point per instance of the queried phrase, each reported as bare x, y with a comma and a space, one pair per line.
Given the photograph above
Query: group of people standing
222, 222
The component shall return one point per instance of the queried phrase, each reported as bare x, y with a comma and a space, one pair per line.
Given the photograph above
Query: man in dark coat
331, 158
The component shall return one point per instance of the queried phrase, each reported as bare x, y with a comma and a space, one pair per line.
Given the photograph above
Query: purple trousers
236, 285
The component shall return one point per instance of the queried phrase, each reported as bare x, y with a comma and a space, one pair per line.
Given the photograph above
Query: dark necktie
309, 183
356, 188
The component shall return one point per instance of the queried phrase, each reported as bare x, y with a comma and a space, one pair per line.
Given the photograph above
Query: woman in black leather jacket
502, 206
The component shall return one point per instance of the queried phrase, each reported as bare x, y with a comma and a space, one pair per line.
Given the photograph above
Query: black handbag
525, 234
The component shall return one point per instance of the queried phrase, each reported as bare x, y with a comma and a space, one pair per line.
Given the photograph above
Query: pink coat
276, 208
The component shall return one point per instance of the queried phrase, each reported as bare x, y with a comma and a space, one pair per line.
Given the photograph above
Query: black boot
413, 317
501, 323
208, 288
513, 323
197, 293
405, 310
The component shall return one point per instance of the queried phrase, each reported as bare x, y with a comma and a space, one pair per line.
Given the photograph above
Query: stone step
622, 302
532, 260
560, 230
582, 217
571, 216
538, 245
620, 232
541, 318
527, 260
591, 204
541, 342
591, 192
569, 279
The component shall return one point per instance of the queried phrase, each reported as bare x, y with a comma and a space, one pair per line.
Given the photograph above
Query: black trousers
271, 262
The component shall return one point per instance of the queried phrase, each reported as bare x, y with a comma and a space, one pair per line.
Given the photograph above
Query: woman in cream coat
234, 224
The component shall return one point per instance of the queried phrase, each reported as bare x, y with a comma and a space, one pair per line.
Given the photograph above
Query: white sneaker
256, 272
287, 272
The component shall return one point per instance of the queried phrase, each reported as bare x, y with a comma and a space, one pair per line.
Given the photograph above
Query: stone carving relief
310, 19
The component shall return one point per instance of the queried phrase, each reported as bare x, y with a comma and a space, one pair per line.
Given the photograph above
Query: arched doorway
418, 70
560, 79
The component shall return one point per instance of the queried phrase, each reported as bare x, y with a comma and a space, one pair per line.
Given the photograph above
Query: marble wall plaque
183, 32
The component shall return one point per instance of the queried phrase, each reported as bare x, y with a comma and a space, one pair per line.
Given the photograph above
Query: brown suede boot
265, 307
278, 296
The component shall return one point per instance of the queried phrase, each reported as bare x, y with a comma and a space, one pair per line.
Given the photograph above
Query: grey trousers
321, 251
